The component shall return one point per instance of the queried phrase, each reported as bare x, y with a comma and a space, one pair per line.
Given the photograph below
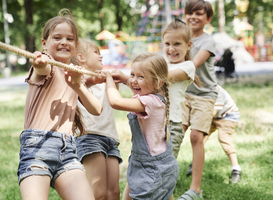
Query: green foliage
86, 15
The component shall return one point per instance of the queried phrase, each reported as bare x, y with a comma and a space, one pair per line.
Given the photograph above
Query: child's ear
209, 20
44, 43
189, 45
80, 57
159, 85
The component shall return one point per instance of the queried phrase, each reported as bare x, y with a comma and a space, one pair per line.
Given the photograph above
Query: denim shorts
92, 143
46, 153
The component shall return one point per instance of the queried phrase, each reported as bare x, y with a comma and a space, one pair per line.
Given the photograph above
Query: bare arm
120, 77
117, 101
200, 58
93, 80
178, 75
89, 101
40, 66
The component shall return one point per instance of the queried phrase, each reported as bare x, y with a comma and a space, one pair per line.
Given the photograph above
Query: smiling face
140, 82
61, 44
196, 20
175, 48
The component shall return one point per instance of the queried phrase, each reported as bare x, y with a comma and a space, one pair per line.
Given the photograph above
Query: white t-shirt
177, 89
104, 124
225, 106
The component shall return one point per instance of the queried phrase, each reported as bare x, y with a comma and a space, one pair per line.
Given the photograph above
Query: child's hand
101, 78
73, 79
107, 74
93, 80
119, 76
40, 62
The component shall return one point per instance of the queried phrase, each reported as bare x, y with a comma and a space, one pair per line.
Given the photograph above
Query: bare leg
35, 187
73, 185
126, 193
95, 169
113, 192
233, 159
197, 138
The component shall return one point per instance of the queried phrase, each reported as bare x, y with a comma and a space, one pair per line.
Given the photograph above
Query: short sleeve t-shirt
152, 123
225, 106
50, 103
177, 89
104, 124
205, 72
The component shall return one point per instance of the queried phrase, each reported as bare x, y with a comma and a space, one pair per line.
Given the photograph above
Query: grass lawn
253, 140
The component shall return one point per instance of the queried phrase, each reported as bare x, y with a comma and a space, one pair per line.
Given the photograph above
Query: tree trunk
118, 17
221, 16
29, 38
100, 5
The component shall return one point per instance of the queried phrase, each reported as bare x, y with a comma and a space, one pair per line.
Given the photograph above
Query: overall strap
161, 98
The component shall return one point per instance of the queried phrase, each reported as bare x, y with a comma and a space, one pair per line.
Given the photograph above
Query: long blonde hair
184, 31
156, 67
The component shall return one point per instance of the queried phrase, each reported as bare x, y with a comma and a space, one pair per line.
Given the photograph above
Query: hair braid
165, 88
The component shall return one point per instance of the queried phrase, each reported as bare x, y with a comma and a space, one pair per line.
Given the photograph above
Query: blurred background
125, 28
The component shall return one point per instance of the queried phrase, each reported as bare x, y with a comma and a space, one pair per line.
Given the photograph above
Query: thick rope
51, 62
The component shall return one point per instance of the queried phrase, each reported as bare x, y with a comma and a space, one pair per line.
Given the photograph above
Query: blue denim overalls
150, 177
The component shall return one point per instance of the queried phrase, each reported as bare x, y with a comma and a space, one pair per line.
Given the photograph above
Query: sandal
191, 195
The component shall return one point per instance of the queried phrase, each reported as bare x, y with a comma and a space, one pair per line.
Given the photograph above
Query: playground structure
149, 30
154, 19
125, 48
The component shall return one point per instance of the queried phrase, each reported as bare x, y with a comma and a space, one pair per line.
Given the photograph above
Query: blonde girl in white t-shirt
97, 139
177, 44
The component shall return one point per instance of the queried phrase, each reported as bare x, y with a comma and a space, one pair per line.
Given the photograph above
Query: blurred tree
29, 35
221, 15
91, 16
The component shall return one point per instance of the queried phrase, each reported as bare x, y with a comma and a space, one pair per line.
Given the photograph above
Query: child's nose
64, 41
172, 48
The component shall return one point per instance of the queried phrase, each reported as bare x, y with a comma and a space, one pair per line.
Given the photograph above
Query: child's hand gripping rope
51, 62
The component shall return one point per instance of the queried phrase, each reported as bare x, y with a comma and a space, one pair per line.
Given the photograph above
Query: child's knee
196, 137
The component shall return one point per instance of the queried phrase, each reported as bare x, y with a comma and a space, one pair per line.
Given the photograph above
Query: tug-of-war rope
51, 62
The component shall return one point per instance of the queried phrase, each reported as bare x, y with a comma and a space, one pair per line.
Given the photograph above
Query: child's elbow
114, 104
96, 111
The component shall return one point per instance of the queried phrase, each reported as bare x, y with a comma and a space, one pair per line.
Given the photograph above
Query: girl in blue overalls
153, 171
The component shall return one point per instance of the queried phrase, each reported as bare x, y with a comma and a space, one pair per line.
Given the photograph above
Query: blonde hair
157, 68
64, 16
184, 31
84, 45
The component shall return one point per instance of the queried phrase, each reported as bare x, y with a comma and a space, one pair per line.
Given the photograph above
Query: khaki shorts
197, 112
225, 129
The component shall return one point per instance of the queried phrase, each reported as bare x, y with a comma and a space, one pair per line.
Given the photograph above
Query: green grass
253, 140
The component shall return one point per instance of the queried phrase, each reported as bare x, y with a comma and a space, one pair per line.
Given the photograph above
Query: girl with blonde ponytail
177, 44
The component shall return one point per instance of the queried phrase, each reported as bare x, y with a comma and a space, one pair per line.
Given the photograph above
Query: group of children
70, 140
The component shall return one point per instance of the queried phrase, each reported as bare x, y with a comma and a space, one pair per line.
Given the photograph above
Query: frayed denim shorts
46, 153
92, 143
